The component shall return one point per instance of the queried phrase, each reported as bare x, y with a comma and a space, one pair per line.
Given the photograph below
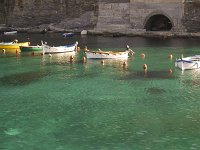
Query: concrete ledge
107, 32
143, 33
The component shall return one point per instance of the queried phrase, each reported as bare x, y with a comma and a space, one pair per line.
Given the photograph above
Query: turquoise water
50, 103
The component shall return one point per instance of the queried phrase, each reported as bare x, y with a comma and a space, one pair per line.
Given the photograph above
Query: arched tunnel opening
158, 23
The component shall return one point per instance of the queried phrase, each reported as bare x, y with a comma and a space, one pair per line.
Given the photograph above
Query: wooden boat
31, 48
109, 54
58, 49
187, 63
10, 32
12, 45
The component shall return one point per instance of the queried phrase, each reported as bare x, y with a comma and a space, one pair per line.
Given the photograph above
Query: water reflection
148, 75
114, 63
190, 78
60, 58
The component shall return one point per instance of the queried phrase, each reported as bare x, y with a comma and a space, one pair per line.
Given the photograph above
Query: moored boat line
46, 49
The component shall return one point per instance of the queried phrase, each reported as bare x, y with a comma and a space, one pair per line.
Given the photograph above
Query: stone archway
158, 22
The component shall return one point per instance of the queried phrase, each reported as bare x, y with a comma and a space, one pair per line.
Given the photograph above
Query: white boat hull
59, 49
10, 33
107, 55
188, 63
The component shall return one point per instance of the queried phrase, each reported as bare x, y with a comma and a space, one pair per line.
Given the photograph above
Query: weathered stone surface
191, 19
85, 21
23, 13
102, 16
113, 16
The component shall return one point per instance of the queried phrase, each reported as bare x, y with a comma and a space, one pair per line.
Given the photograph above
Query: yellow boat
12, 46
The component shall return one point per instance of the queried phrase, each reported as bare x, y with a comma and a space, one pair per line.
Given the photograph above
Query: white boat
67, 35
58, 49
187, 63
10, 32
109, 54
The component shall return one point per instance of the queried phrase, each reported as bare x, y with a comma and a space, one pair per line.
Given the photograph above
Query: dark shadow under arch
158, 23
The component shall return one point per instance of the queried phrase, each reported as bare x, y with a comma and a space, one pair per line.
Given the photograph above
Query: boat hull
12, 47
67, 35
106, 55
31, 48
10, 33
188, 63
59, 49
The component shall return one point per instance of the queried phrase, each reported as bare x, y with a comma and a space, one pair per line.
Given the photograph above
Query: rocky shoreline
132, 33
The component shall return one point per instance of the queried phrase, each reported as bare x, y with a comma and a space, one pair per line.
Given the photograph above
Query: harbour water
50, 103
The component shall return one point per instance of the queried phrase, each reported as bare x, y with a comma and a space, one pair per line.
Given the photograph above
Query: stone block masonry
103, 15
113, 16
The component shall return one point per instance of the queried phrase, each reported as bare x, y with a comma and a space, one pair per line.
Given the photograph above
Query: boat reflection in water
61, 58
114, 63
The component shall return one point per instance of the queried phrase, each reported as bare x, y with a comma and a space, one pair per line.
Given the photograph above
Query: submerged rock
155, 90
21, 79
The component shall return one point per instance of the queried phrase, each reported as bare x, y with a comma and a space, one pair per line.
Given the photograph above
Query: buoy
32, 53
142, 55
85, 49
71, 58
102, 62
124, 63
78, 49
4, 51
84, 60
145, 66
170, 71
170, 56
50, 55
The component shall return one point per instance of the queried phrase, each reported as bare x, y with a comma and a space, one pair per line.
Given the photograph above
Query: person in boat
131, 52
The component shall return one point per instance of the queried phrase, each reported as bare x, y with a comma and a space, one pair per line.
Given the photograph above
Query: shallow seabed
50, 103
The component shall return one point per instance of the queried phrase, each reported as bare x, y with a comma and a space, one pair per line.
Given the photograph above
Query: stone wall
101, 15
140, 12
133, 14
23, 13
191, 18
113, 16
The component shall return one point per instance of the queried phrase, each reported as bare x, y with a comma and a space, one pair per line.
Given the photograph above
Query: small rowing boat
187, 63
109, 54
58, 49
13, 45
10, 32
